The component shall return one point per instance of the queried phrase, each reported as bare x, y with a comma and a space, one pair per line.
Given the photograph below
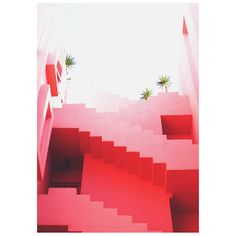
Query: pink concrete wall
43, 183
188, 67
50, 51
44, 126
107, 102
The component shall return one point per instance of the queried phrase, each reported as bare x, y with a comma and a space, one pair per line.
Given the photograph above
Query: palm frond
146, 94
164, 82
69, 61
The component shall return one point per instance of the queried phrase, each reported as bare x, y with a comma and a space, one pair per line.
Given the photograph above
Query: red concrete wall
177, 182
185, 222
67, 159
177, 126
65, 144
52, 79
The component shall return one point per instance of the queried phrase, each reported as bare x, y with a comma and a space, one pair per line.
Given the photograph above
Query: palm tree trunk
166, 89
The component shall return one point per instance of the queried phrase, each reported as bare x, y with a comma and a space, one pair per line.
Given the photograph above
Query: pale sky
121, 48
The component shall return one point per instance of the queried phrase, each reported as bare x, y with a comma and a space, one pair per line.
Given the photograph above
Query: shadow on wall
67, 159
177, 126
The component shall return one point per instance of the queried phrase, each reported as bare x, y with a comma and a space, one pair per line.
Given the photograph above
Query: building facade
130, 170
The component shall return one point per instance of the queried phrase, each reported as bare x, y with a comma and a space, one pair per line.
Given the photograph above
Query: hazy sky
121, 48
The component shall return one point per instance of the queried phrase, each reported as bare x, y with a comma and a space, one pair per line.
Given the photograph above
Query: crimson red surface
177, 126
52, 79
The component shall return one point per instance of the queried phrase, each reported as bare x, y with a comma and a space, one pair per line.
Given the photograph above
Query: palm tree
164, 82
69, 62
146, 94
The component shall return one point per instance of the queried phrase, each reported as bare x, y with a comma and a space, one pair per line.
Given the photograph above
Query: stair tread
55, 191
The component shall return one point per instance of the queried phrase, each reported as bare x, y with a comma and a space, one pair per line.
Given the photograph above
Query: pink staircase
127, 192
121, 158
62, 207
129, 161
135, 137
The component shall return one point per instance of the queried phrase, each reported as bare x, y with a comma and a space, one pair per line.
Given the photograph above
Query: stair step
87, 119
128, 193
82, 215
64, 191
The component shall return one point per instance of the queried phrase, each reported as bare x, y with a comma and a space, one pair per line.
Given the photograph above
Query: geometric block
145, 169
84, 141
132, 162
159, 173
107, 151
120, 156
96, 146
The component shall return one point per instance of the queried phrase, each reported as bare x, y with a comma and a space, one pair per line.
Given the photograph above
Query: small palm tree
69, 62
164, 82
146, 94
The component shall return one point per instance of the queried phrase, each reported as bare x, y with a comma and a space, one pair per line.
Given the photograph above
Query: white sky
121, 48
